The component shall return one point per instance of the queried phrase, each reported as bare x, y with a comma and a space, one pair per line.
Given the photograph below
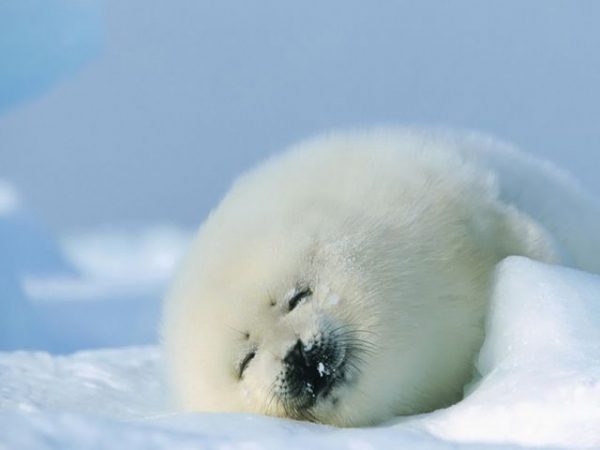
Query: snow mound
539, 386
540, 364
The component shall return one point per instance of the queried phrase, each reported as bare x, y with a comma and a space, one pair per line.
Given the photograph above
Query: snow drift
540, 363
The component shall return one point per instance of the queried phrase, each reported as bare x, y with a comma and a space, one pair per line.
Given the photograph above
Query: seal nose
307, 369
298, 356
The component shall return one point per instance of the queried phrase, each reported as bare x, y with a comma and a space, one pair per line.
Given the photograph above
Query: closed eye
300, 295
245, 362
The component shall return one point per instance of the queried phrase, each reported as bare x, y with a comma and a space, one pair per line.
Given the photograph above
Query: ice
539, 387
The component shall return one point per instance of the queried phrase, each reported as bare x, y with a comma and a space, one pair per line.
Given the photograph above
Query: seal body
345, 281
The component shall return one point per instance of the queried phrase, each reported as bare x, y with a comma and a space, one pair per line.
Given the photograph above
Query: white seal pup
346, 280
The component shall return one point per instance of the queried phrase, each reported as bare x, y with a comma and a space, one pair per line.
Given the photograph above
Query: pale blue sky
185, 95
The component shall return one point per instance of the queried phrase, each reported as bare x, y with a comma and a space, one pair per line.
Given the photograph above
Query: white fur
398, 232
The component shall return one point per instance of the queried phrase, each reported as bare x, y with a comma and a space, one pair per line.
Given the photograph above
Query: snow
540, 364
124, 383
322, 370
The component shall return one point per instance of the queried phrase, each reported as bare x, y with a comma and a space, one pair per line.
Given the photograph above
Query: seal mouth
314, 365
313, 371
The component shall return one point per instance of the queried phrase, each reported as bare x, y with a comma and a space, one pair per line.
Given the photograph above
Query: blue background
138, 111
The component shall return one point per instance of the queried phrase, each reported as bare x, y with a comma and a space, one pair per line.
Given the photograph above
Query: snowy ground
540, 365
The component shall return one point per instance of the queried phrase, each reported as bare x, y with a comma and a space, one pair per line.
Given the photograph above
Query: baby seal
346, 280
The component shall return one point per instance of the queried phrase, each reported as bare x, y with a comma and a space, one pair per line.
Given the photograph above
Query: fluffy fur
394, 236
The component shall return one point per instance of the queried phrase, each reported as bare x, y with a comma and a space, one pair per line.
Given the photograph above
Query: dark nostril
297, 355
